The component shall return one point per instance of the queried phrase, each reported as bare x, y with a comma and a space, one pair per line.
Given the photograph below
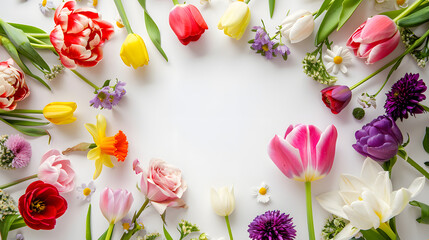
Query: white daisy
388, 5
127, 224
118, 21
261, 193
47, 7
92, 3
338, 58
85, 191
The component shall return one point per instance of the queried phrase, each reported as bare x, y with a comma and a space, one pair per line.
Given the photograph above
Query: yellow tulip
133, 51
60, 112
235, 20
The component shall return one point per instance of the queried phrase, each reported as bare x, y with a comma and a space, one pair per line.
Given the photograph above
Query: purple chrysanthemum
404, 97
108, 96
21, 148
272, 225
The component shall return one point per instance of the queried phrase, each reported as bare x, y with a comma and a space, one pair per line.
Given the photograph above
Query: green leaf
20, 41
349, 7
10, 48
34, 132
372, 234
272, 4
27, 28
325, 5
329, 22
5, 225
424, 218
166, 234
26, 123
103, 236
88, 224
15, 115
395, 13
152, 30
426, 140
415, 19
18, 223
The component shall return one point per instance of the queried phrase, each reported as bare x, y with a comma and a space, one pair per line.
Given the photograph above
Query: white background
211, 111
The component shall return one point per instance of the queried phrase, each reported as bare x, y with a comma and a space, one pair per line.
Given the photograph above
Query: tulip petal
302, 29
286, 157
361, 216
332, 202
400, 200
352, 183
378, 28
416, 186
383, 49
325, 150
370, 170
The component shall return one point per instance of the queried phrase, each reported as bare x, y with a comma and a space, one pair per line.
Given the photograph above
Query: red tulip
41, 205
376, 38
187, 23
336, 97
12, 86
79, 34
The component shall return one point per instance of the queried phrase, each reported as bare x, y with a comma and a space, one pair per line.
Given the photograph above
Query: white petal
351, 183
343, 68
347, 233
330, 66
370, 170
336, 69
332, 203
360, 216
383, 186
400, 200
416, 186
302, 29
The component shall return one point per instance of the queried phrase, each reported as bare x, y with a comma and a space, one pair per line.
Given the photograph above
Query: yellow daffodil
105, 146
60, 112
133, 51
235, 19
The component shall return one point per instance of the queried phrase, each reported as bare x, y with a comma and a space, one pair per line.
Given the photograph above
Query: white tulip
368, 201
223, 201
298, 26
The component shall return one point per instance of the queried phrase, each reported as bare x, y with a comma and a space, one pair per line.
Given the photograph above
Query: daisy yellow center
94, 3
119, 24
126, 225
86, 191
262, 191
44, 2
400, 2
338, 60
265, 48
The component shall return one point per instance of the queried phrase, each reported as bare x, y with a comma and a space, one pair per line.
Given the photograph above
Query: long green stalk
123, 15
18, 181
409, 160
310, 223
229, 227
84, 79
408, 10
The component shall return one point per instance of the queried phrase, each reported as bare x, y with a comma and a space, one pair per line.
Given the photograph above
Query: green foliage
415, 19
272, 4
424, 218
88, 224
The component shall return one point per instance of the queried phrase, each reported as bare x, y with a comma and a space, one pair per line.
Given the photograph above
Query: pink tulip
306, 153
162, 184
115, 204
376, 38
56, 169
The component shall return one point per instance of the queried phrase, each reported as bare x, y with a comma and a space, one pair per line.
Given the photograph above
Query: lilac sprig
108, 96
267, 46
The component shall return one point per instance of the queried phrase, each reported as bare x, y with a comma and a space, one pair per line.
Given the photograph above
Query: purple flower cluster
264, 45
379, 139
108, 96
272, 225
405, 96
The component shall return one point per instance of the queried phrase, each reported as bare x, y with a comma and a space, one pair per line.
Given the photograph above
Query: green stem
36, 39
23, 111
247, 1
411, 48
84, 79
137, 215
109, 231
229, 227
408, 10
38, 35
381, 88
409, 160
18, 181
43, 46
123, 15
386, 229
310, 223
175, 2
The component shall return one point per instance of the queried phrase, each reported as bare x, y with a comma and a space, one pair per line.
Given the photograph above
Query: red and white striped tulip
12, 86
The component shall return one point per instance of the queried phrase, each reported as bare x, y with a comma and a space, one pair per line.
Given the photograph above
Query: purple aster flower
282, 50
15, 152
404, 97
108, 96
379, 139
272, 225
19, 236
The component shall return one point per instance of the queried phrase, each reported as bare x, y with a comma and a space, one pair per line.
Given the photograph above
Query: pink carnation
21, 148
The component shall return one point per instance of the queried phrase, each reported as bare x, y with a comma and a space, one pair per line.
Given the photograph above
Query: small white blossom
85, 191
337, 59
47, 7
262, 193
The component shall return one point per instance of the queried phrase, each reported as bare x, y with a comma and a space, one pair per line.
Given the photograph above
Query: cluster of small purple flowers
272, 225
263, 44
108, 96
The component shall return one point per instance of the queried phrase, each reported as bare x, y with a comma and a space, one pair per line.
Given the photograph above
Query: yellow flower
60, 112
235, 20
106, 146
133, 51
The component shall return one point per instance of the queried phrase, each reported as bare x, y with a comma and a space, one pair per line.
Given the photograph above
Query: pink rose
162, 184
56, 169
79, 34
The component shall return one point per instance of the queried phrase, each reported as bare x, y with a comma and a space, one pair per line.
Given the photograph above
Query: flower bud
298, 26
235, 20
60, 112
336, 97
223, 201
134, 52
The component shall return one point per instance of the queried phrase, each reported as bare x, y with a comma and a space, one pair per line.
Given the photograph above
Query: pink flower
12, 86
162, 184
306, 153
79, 35
376, 38
21, 148
115, 204
56, 169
